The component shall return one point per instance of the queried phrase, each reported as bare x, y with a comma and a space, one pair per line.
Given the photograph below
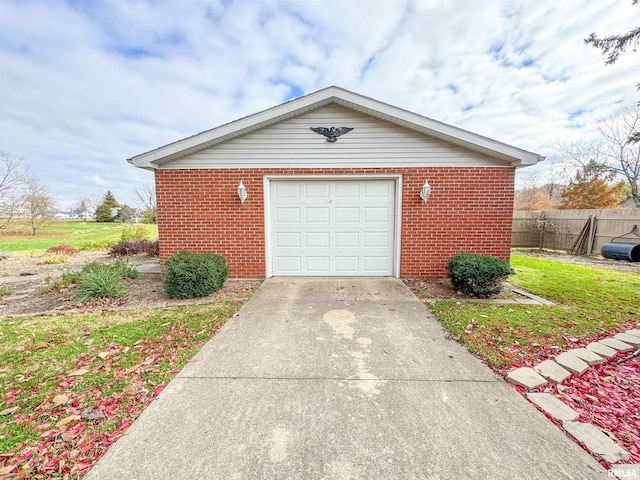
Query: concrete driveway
340, 379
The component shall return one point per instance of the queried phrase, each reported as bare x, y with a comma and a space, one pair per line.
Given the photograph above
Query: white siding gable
371, 143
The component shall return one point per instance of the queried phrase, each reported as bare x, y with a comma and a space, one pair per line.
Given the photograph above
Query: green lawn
590, 302
72, 384
18, 239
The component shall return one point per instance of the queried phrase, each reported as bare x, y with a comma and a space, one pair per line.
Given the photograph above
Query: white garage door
332, 227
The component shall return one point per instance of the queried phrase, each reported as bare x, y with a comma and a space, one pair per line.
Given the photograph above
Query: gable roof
350, 100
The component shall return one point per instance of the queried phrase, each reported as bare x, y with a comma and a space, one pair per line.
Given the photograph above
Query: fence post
543, 227
592, 233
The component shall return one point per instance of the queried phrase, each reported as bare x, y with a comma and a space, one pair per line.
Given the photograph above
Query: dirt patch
595, 261
15, 265
31, 295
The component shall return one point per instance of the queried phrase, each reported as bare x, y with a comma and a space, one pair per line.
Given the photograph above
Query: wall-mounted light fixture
425, 191
242, 192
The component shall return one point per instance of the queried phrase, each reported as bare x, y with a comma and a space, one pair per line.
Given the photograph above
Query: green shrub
134, 232
479, 275
193, 275
99, 283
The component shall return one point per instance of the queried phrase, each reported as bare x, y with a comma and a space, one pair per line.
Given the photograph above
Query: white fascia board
404, 118
442, 131
230, 130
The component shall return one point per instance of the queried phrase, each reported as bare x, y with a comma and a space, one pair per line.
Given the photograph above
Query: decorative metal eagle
332, 133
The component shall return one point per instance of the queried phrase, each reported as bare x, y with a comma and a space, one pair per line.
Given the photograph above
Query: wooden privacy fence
559, 229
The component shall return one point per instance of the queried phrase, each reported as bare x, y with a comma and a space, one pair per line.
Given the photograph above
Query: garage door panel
288, 264
379, 190
288, 240
317, 214
377, 214
376, 239
318, 264
332, 227
318, 239
376, 264
347, 264
317, 190
347, 190
287, 215
287, 190
346, 214
347, 240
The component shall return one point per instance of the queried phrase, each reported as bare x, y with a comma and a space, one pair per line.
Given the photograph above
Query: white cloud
85, 85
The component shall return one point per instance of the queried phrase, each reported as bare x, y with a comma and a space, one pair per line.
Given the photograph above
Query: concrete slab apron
340, 378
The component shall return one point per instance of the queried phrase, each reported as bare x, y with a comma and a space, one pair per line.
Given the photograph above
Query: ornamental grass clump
194, 275
99, 280
99, 283
479, 275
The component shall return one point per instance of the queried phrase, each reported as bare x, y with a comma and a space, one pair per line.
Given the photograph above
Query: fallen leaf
66, 436
131, 369
41, 345
60, 399
68, 420
9, 411
79, 372
103, 355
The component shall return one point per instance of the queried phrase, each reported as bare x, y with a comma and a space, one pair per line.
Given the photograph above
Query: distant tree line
24, 195
601, 173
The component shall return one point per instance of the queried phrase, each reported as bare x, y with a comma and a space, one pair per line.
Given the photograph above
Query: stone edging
576, 362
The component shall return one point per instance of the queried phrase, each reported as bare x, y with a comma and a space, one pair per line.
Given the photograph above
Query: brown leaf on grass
78, 373
9, 411
60, 399
131, 369
66, 436
68, 420
103, 355
40, 346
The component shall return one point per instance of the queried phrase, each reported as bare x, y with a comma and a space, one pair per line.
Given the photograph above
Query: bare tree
617, 153
87, 204
37, 203
531, 195
612, 154
147, 202
12, 180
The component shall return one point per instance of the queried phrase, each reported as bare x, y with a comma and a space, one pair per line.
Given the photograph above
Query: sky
86, 84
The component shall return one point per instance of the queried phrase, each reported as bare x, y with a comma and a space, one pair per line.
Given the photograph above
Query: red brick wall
470, 209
